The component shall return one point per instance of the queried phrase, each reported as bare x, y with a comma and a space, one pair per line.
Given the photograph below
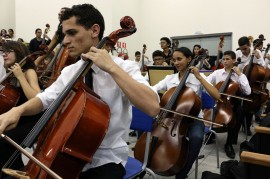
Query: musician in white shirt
2, 68
237, 76
245, 52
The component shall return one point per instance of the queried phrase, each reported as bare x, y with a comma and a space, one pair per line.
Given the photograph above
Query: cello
218, 64
223, 110
143, 67
255, 75
9, 94
43, 45
62, 149
267, 70
169, 146
53, 69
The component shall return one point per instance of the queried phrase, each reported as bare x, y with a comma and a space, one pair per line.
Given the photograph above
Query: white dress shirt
221, 75
2, 68
172, 80
245, 59
266, 60
113, 147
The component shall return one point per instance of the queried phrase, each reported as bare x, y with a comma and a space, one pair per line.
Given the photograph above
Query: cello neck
226, 82
179, 88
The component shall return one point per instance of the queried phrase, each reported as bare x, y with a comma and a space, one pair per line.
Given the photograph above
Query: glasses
158, 59
7, 51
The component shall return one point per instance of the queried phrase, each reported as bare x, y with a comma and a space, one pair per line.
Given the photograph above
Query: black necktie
89, 78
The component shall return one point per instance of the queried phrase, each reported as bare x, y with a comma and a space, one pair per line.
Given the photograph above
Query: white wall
7, 14
32, 14
154, 18
158, 18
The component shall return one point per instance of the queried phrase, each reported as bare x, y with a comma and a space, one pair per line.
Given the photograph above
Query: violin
218, 64
169, 146
61, 144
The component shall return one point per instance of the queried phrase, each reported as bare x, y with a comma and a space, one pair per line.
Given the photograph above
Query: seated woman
26, 81
181, 60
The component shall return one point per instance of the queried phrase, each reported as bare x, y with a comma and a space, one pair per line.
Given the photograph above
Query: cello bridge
162, 124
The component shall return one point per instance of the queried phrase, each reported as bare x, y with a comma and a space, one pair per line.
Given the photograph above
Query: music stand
158, 73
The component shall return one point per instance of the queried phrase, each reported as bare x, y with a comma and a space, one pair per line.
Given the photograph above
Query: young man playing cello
229, 59
119, 83
245, 52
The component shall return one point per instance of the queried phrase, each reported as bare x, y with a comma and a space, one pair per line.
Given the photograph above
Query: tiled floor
209, 162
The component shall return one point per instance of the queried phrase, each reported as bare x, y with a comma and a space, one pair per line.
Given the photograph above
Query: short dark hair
167, 40
86, 15
157, 53
11, 30
243, 41
231, 54
37, 30
137, 53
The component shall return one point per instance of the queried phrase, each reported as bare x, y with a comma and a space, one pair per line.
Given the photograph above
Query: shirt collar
224, 72
175, 80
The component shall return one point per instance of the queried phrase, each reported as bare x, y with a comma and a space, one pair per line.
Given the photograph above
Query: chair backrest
207, 101
158, 73
140, 120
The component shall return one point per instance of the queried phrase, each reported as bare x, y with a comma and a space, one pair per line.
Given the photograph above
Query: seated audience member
11, 34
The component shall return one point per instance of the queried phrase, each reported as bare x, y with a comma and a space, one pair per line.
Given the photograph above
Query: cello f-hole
173, 135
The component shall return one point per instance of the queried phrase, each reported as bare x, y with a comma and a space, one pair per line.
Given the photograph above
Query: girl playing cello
181, 59
26, 81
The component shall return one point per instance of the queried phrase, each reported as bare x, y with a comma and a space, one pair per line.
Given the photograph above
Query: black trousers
248, 117
110, 170
17, 134
232, 136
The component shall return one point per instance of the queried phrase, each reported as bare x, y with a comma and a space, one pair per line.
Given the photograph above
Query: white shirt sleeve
244, 84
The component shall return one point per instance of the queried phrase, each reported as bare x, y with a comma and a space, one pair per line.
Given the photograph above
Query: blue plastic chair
207, 103
143, 122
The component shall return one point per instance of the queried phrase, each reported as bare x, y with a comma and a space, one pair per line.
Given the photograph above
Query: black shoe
211, 140
249, 133
229, 151
132, 134
257, 120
